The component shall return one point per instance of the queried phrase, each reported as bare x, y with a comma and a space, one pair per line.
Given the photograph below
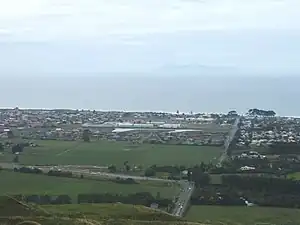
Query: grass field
18, 183
216, 215
295, 176
106, 153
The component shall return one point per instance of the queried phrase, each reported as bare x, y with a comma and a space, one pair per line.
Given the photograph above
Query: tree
182, 168
232, 113
86, 135
198, 176
1, 147
17, 148
260, 112
189, 175
158, 195
16, 159
112, 169
127, 167
149, 172
10, 134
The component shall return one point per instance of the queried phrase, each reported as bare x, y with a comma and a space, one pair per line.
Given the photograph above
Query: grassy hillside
14, 213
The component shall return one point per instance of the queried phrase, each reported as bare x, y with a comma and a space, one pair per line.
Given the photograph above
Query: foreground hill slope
17, 213
13, 212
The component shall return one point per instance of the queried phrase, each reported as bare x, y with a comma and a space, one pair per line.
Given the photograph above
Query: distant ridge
196, 69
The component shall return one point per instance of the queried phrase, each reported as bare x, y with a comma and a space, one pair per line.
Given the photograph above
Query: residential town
142, 127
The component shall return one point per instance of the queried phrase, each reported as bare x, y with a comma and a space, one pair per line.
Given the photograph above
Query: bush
28, 170
150, 172
125, 181
59, 173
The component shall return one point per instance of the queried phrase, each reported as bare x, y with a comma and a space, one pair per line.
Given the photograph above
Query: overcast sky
60, 36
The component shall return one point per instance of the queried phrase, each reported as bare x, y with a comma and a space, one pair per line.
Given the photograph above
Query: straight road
182, 202
229, 139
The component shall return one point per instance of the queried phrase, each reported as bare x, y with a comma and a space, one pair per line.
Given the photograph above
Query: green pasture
108, 152
243, 215
14, 183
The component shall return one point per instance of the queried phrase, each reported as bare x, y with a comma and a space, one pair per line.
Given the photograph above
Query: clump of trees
112, 169
125, 181
198, 175
258, 189
232, 113
10, 134
150, 172
214, 195
58, 173
86, 135
284, 148
261, 112
262, 184
1, 147
140, 198
17, 148
28, 170
45, 199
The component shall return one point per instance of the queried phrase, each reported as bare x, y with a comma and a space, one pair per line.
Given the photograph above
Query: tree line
139, 198
242, 190
57, 173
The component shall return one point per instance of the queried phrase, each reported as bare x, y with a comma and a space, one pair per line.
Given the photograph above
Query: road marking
68, 149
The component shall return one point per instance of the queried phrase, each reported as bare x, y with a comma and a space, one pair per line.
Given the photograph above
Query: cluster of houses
264, 131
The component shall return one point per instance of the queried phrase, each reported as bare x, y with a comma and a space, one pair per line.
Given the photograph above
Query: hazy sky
58, 36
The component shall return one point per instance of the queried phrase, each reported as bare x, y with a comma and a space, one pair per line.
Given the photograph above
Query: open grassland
13, 183
106, 153
295, 176
240, 215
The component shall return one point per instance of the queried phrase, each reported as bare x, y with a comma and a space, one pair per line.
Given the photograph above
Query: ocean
197, 93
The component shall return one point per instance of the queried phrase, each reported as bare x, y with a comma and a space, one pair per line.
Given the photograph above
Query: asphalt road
229, 139
182, 202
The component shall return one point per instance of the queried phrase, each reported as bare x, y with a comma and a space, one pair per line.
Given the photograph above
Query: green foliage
1, 147
86, 135
10, 134
261, 112
112, 169
150, 172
